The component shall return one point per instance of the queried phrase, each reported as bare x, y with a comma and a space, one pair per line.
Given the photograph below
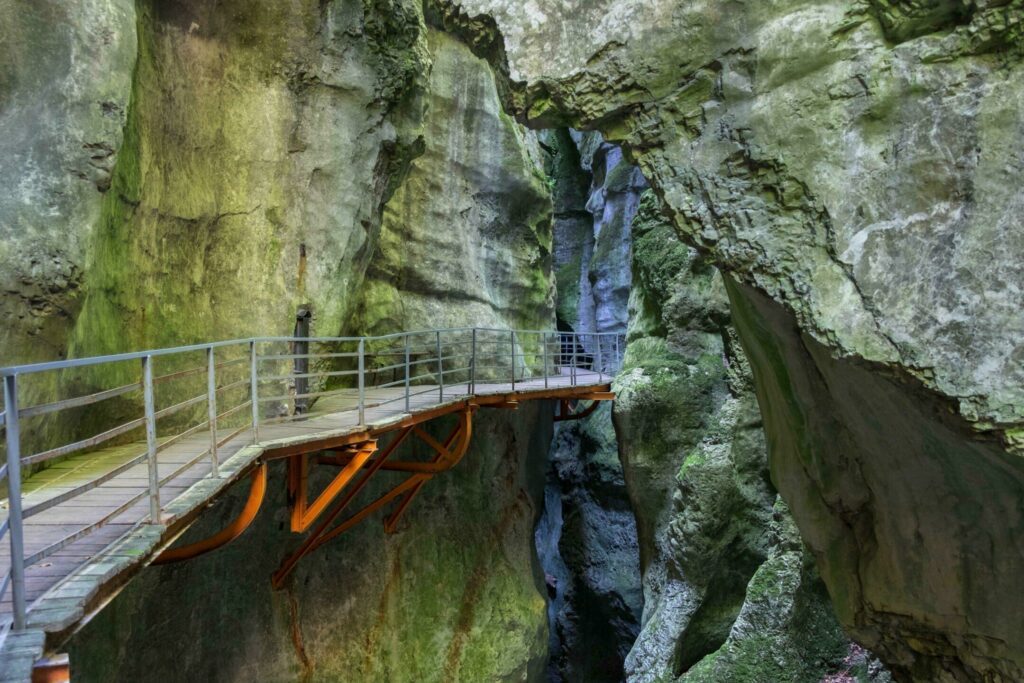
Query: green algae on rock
714, 537
856, 164
455, 594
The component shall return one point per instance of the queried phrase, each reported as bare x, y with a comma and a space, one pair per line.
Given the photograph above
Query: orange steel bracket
448, 454
303, 514
446, 457
257, 491
289, 563
56, 669
565, 405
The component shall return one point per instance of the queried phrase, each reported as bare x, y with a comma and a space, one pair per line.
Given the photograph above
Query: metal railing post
472, 364
211, 409
512, 339
407, 373
615, 358
254, 391
14, 517
600, 366
440, 370
544, 347
154, 472
362, 381
572, 367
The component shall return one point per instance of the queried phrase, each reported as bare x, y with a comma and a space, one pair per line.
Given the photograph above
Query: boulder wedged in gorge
854, 170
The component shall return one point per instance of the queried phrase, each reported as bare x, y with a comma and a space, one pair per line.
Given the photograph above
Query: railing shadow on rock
159, 398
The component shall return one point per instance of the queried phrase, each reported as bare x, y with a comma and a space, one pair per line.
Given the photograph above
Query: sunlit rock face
853, 169
467, 237
464, 238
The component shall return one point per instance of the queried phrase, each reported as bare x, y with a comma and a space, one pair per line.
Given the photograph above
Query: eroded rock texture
853, 168
310, 154
730, 592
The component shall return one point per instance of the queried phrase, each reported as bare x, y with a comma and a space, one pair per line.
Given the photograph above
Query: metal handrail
493, 355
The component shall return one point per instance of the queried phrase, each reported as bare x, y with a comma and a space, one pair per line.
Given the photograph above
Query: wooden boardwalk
68, 585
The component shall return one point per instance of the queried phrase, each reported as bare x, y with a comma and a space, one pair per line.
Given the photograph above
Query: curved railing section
162, 396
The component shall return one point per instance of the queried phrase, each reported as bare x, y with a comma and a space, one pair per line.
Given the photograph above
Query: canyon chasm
802, 216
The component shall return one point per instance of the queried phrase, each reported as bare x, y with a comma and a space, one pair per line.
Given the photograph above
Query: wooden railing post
211, 409
14, 515
151, 455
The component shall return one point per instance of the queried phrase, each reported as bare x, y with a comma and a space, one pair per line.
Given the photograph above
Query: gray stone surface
854, 169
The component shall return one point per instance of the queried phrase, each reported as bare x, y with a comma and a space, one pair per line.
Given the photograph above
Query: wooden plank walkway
79, 578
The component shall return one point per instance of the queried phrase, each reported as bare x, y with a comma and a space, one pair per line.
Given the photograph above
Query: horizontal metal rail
78, 401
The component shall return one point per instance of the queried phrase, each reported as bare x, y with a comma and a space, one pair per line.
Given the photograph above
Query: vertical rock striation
587, 538
65, 85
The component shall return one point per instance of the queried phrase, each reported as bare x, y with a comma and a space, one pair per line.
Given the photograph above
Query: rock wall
452, 595
853, 169
266, 162
65, 85
730, 593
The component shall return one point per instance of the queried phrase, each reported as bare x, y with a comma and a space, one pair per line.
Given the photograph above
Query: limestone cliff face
259, 145
65, 84
730, 593
466, 239
853, 168
306, 156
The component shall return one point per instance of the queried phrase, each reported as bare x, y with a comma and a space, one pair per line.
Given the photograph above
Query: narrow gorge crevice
586, 540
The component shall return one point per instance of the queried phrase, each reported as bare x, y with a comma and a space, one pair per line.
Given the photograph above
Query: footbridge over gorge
109, 459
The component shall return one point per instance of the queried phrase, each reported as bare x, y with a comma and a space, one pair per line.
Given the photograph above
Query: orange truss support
304, 515
353, 459
565, 405
257, 491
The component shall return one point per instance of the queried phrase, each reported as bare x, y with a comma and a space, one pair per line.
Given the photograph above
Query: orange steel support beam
304, 515
52, 670
448, 454
445, 458
257, 491
288, 564
565, 405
